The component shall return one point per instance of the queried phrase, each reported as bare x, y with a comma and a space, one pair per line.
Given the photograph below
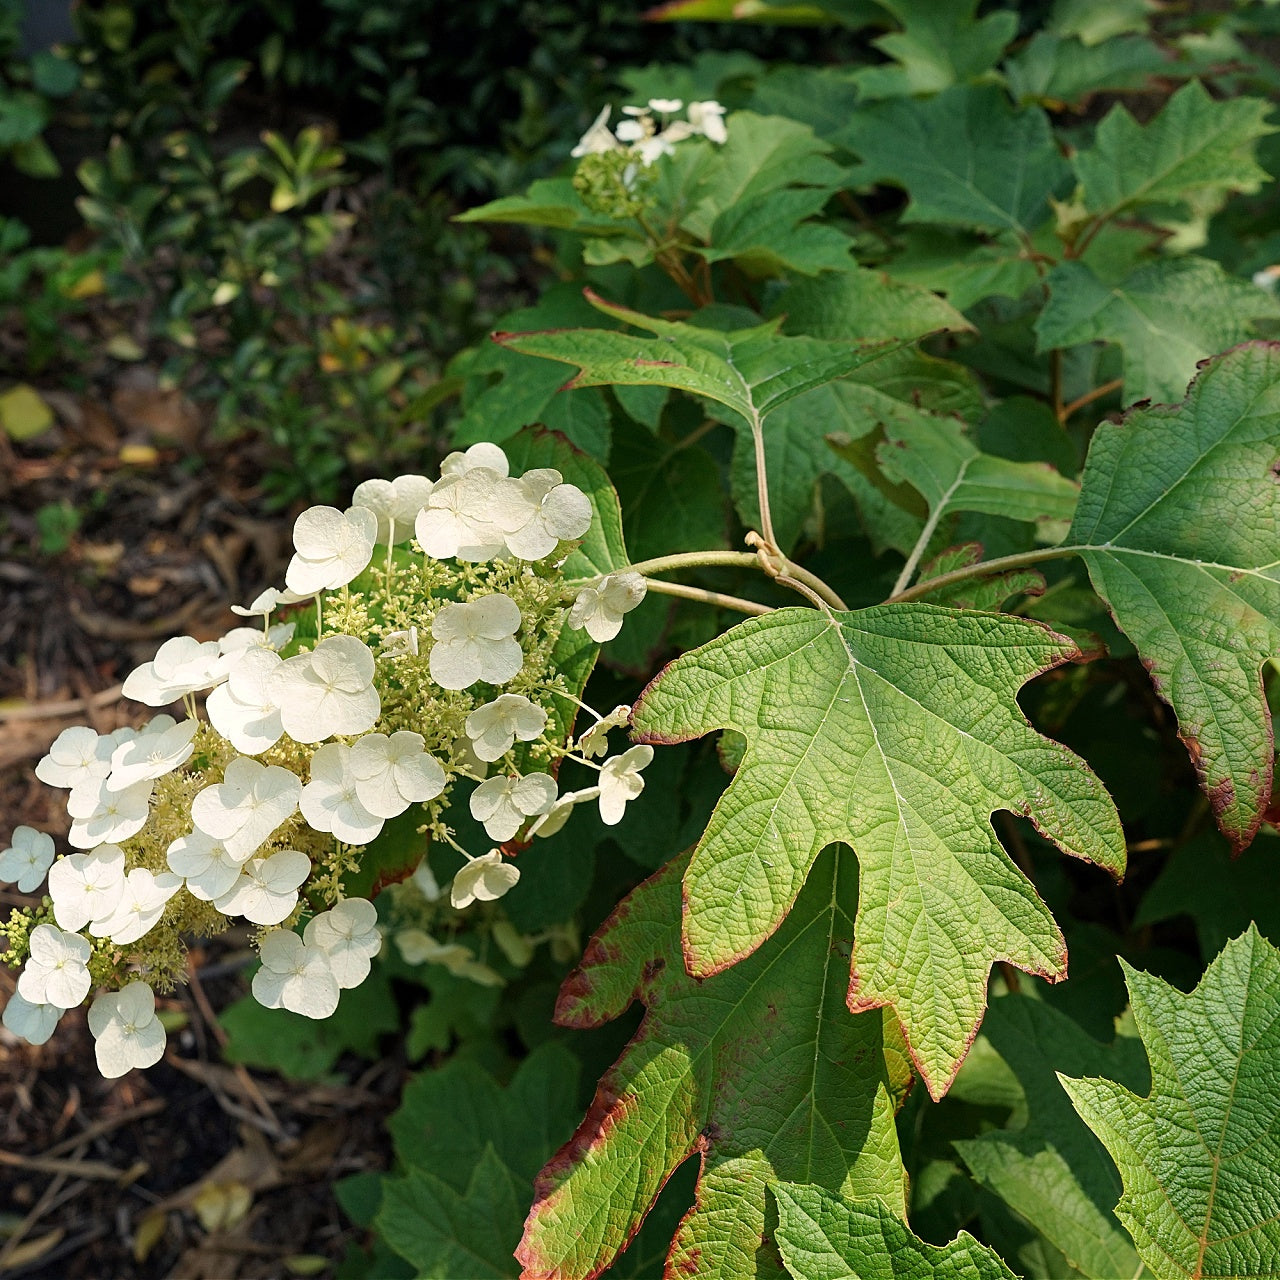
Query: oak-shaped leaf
751, 371
1179, 525
939, 45
1165, 316
1052, 1171
761, 1072
933, 454
1195, 146
965, 157
1199, 1156
821, 1238
897, 730
990, 591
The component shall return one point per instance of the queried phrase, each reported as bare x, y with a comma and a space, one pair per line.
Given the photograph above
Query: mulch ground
194, 1169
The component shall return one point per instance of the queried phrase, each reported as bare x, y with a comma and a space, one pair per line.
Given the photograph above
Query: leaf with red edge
761, 1072
896, 729
1179, 525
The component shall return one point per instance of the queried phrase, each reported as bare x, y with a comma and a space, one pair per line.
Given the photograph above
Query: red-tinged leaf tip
607, 1111
938, 1086
582, 1002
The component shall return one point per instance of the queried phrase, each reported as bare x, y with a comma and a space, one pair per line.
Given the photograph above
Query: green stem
984, 567
735, 559
922, 542
762, 481
693, 560
735, 603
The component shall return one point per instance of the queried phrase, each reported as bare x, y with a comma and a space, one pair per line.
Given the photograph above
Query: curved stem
1090, 396
731, 559
690, 560
980, 570
707, 597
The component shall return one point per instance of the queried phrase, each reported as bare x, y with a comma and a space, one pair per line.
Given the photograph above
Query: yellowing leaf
897, 730
23, 414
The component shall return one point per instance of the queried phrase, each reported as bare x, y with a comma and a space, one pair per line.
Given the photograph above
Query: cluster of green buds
614, 170
421, 653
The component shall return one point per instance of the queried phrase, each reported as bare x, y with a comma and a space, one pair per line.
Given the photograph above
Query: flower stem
707, 597
735, 559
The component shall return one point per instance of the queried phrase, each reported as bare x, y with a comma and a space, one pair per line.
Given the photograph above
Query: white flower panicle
250, 802
35, 1023
330, 801
539, 511
57, 972
244, 710
181, 666
494, 727
399, 677
86, 887
620, 782
349, 937
266, 890
295, 976
391, 773
503, 804
649, 131
328, 691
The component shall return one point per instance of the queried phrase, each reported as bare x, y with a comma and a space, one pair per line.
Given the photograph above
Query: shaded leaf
966, 158
770, 236
302, 1048
763, 156
941, 44
1220, 894
1094, 21
1052, 1171
1166, 316
1200, 1156
549, 202
1177, 523
760, 1071
897, 730
671, 497
936, 457
963, 266
986, 592
1056, 70
822, 1238
1195, 145
751, 371
446, 1233
859, 304
470, 1149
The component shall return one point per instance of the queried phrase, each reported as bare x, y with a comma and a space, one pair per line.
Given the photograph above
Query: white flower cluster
429, 674
650, 131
